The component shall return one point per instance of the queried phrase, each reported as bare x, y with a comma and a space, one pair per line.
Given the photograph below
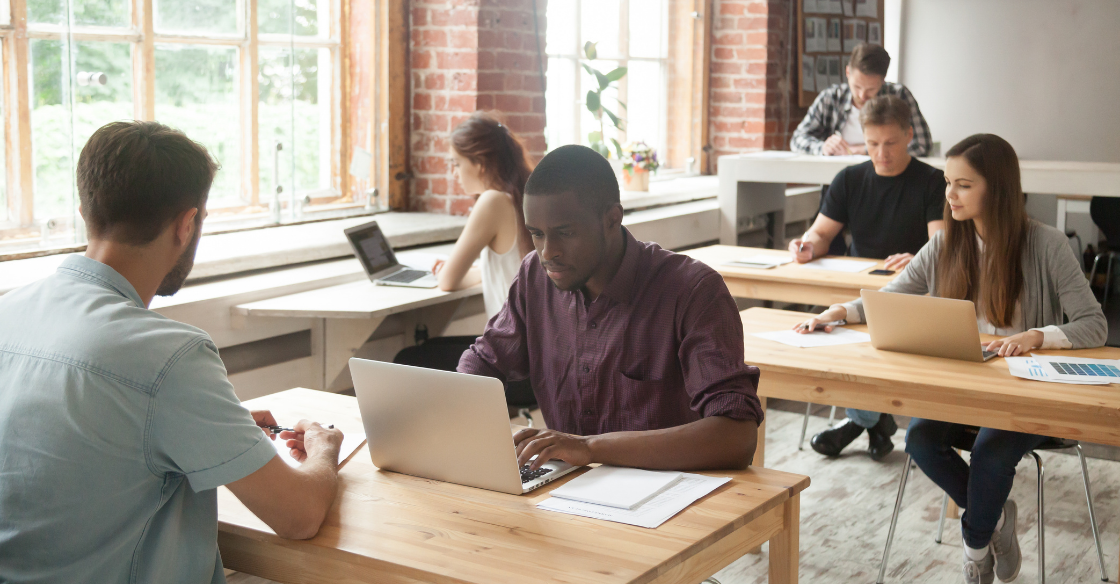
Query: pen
824, 324
279, 429
801, 247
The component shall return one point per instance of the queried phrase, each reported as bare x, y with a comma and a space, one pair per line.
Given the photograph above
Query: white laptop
381, 265
923, 325
446, 426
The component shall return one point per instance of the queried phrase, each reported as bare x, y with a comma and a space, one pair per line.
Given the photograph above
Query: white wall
1043, 74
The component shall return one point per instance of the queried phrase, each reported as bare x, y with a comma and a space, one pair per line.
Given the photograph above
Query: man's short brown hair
870, 59
884, 110
134, 178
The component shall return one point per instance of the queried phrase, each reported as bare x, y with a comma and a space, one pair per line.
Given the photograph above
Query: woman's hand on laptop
817, 323
310, 440
1016, 344
551, 445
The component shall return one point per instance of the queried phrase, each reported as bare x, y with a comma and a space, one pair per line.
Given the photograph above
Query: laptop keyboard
405, 276
532, 475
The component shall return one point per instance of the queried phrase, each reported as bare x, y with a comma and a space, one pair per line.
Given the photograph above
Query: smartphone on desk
881, 272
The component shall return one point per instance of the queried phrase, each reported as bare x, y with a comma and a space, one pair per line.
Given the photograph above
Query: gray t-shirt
116, 427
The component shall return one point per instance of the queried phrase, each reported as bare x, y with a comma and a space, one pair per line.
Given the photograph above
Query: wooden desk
388, 527
791, 282
343, 317
753, 185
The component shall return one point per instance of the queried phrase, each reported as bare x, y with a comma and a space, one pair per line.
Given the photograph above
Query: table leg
784, 554
760, 445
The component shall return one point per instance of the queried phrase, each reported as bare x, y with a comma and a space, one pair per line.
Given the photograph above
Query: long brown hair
1004, 215
485, 141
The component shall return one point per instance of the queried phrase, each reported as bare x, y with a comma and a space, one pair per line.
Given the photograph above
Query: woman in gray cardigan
1025, 281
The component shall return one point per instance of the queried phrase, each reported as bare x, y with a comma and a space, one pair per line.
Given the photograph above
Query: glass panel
86, 12
102, 88
294, 100
599, 24
647, 28
309, 17
561, 103
51, 131
196, 92
561, 36
645, 103
196, 16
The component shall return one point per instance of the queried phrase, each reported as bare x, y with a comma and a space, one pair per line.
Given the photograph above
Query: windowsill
671, 191
226, 254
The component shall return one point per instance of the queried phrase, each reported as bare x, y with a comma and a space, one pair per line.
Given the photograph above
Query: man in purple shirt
635, 353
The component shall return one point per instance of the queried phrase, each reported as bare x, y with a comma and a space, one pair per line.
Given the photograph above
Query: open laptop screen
371, 247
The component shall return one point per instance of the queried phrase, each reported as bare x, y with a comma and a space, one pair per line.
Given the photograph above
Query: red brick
457, 60
421, 59
421, 102
461, 103
430, 38
462, 205
419, 17
431, 165
485, 102
464, 39
434, 81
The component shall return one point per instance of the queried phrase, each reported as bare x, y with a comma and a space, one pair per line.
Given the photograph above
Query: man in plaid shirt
831, 128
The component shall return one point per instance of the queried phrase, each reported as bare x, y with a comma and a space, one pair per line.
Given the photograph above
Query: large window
628, 33
255, 81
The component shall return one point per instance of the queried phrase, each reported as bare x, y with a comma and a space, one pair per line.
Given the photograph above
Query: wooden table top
362, 299
791, 282
398, 528
983, 394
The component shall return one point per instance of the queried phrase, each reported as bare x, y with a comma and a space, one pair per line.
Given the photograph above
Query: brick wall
470, 55
753, 76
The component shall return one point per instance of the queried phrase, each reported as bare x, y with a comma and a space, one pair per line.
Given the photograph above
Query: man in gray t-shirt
117, 424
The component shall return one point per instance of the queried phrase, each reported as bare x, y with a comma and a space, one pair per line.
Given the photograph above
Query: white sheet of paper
350, 443
650, 514
1030, 368
838, 336
834, 265
764, 262
1053, 373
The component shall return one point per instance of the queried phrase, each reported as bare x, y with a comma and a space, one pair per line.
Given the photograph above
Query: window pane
561, 34
645, 103
599, 24
86, 12
51, 131
295, 100
647, 30
561, 103
196, 16
304, 17
196, 92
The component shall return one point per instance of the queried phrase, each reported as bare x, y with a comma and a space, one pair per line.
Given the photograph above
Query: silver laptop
446, 426
381, 265
923, 325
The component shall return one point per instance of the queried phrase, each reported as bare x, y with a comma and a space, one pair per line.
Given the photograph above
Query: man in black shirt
892, 204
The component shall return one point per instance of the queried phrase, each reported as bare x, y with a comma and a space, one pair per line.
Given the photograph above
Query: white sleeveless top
498, 271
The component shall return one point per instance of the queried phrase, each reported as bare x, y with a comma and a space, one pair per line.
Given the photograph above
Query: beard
174, 279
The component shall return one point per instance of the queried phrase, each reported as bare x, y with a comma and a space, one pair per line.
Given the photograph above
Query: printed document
838, 336
650, 515
615, 486
761, 262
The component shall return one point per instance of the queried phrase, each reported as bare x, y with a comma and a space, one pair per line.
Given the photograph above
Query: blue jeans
863, 418
982, 489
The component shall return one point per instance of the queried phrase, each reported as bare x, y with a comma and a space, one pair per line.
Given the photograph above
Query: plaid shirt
830, 110
661, 346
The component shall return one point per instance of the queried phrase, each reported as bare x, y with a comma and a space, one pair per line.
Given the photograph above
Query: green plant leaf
601, 148
617, 74
589, 50
617, 121
590, 71
617, 147
594, 104
621, 105
603, 81
595, 136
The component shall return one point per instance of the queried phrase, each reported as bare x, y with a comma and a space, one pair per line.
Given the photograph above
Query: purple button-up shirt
661, 346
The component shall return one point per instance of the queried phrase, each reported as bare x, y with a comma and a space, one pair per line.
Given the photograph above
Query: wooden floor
846, 511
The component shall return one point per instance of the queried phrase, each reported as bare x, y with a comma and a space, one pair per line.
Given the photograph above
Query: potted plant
598, 139
638, 161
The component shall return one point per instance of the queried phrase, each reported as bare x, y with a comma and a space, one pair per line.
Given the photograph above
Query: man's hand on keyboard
550, 445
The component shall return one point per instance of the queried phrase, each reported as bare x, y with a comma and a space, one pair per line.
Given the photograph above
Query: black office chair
1105, 212
443, 353
965, 443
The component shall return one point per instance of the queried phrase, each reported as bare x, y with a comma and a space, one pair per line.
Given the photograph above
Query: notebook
613, 486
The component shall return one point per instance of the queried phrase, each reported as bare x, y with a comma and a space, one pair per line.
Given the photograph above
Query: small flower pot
635, 179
